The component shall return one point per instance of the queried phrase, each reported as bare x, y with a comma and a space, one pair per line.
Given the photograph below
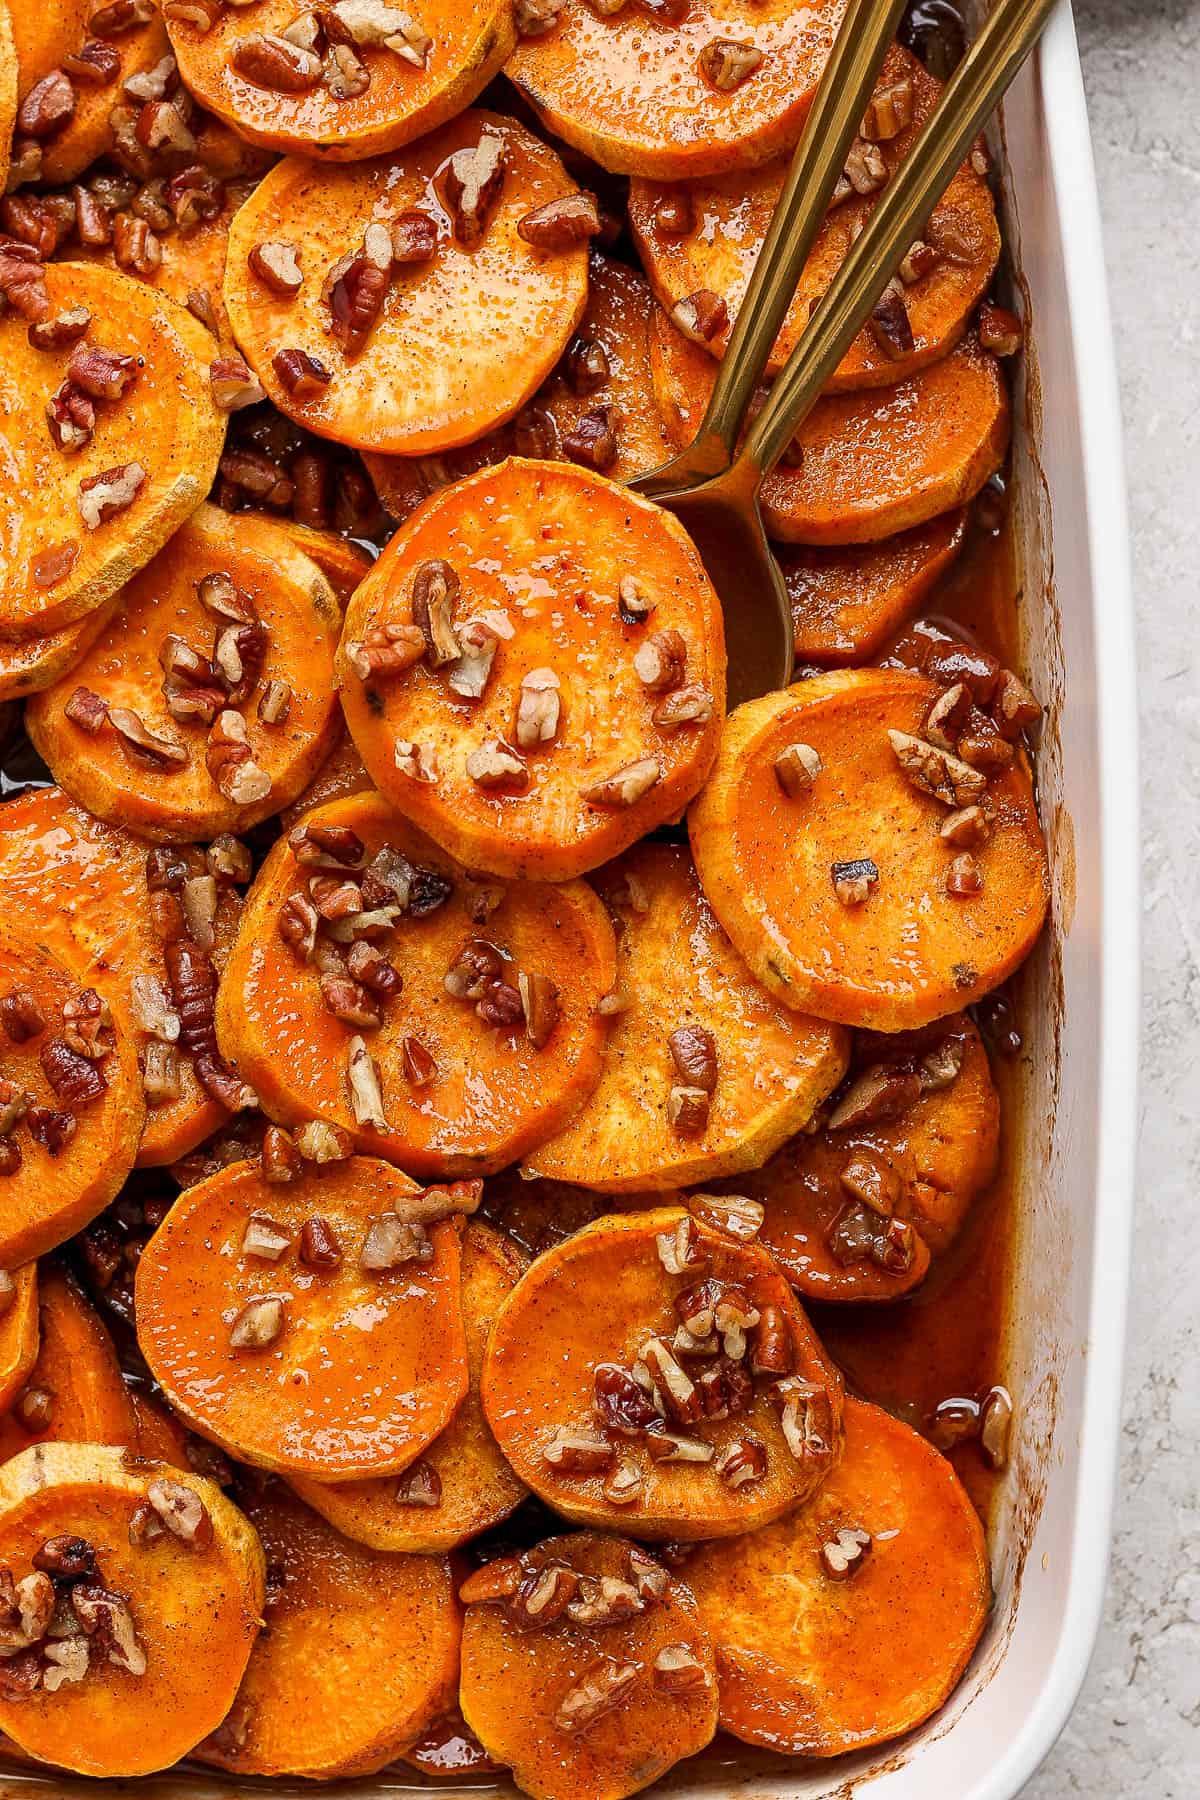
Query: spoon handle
899, 216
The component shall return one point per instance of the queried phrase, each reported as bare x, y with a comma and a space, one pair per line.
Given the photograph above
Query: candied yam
814, 1665
339, 776
631, 90
463, 339
342, 562
689, 999
74, 1119
901, 949
732, 213
849, 599
333, 1370
359, 1656
614, 1677
606, 371
461, 1485
19, 1332
593, 629
734, 1449
58, 567
44, 35
456, 48
924, 1143
31, 663
198, 776
462, 1093
180, 1614
873, 463
75, 1390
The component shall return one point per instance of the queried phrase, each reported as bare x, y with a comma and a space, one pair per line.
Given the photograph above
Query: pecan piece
625, 786
101, 497
586, 364
935, 772
276, 263
661, 661
494, 764
539, 709
259, 1324
48, 107
148, 749
471, 186
727, 62
843, 1555
853, 881
230, 761
561, 224
701, 316
414, 237
233, 384
272, 62
434, 591
21, 1016
301, 375
71, 417
64, 329
592, 440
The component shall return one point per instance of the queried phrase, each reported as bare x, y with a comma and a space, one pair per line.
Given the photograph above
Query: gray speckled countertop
1136, 1730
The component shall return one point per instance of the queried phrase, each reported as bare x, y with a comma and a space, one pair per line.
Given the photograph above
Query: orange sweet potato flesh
596, 1300
733, 212
175, 802
84, 882
195, 1610
873, 463
342, 562
463, 340
814, 1667
493, 1094
471, 39
360, 1653
935, 1155
552, 596
51, 1195
19, 1335
368, 1366
680, 973
630, 91
475, 1486
77, 1366
43, 36
8, 87
56, 570
539, 1667
28, 664
911, 952
620, 309
849, 599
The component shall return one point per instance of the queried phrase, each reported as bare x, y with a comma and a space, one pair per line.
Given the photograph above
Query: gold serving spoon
713, 487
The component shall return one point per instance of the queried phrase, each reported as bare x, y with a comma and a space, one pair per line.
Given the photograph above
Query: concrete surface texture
1135, 1733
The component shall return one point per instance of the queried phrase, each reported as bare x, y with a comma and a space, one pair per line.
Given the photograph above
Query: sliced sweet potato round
74, 1393
288, 1358
850, 1622
401, 78
360, 1653
872, 464
564, 693
855, 1211
705, 1073
727, 218
19, 1334
449, 1747
342, 562
206, 703
460, 340
487, 1043
616, 1677
462, 1484
842, 889
70, 1101
46, 38
848, 600
597, 408
606, 1408
164, 1579
672, 96
29, 664
78, 524
8, 88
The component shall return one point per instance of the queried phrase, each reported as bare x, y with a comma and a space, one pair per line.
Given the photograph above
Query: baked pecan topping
883, 1091
592, 440
540, 1006
889, 111
694, 1053
599, 1691
414, 237
742, 1462
471, 184
688, 705
391, 1242
586, 365
270, 61
1000, 330
468, 675
965, 877
496, 764
148, 749
71, 417
534, 18
419, 1066
853, 881
435, 589
702, 316
119, 16
890, 325
276, 263
561, 224
359, 289
320, 1142
621, 1404
101, 497
674, 213
280, 1159
727, 62
182, 1511
320, 1247
64, 329
420, 1485
385, 651
259, 1324
135, 245
48, 107
625, 786
23, 280
50, 1128
230, 761
578, 1453
233, 384
539, 709
301, 375
264, 1239
661, 661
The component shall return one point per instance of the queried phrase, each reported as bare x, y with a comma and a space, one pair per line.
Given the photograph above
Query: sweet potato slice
342, 562
584, 730
463, 1092
452, 53
872, 464
815, 1659
72, 1117
360, 1653
339, 776
227, 619
607, 366
462, 1484
157, 448
335, 1371
706, 1073
8, 88
44, 36
29, 664
843, 896
603, 1405
732, 212
855, 1212
616, 1677
168, 1620
848, 600
19, 1333
462, 339
645, 95
75, 1392
449, 1747
88, 886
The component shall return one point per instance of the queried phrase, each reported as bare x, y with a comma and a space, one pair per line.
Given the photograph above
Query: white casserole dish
1050, 1533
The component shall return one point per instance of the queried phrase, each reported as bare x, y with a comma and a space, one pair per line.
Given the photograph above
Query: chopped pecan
217, 595
539, 709
599, 1691
605, 1599
233, 384
843, 1555
21, 1016
392, 1242
50, 1128
152, 1010
193, 983
320, 1142
182, 1511
853, 881
230, 761
471, 184
586, 365
742, 1462
890, 324
889, 111
66, 1558
634, 604
1000, 330
264, 1239
64, 329
301, 375
106, 1617
882, 1091
48, 107
280, 1160
688, 1110
276, 263
964, 877
87, 711
866, 171
239, 652
920, 260
540, 1006
434, 591
386, 650
1014, 706
494, 764
359, 290
270, 61
806, 1418
348, 1001
688, 705
500, 1006
578, 1453
414, 237
868, 1178
702, 316
625, 786
661, 661
419, 1066
116, 17
344, 72
534, 18
23, 280
259, 1323
275, 703
592, 440
320, 1247
468, 676
622, 1405
135, 245
101, 497
694, 1053
420, 1485
561, 224
727, 62
162, 1074
71, 417
148, 749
